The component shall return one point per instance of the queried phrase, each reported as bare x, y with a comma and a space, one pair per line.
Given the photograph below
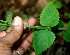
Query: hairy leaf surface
42, 39
49, 16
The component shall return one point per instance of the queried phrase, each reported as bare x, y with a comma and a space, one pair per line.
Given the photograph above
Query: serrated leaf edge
44, 49
57, 14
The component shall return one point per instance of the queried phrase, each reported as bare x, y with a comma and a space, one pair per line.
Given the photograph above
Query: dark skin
11, 35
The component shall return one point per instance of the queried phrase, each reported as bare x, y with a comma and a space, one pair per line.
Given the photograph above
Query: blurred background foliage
32, 8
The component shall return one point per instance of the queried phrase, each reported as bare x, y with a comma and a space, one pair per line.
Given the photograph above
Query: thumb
15, 33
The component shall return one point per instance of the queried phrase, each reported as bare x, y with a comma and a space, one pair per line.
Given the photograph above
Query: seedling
43, 36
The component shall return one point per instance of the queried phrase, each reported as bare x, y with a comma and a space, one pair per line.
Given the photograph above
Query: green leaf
3, 26
3, 21
9, 17
42, 39
68, 15
66, 34
52, 0
59, 25
25, 17
68, 25
58, 4
49, 16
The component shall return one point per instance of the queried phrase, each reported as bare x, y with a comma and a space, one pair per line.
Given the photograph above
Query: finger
8, 30
25, 28
28, 41
15, 33
25, 44
32, 21
25, 23
3, 33
33, 53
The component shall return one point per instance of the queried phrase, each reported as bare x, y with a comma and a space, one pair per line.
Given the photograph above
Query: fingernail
16, 21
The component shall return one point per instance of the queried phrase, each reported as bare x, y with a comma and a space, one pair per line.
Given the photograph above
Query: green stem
3, 21
4, 24
61, 29
38, 27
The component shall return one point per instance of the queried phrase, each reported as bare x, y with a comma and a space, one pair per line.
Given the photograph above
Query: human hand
13, 34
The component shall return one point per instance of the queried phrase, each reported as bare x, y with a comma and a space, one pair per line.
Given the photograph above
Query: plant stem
61, 29
4, 24
38, 27
3, 21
